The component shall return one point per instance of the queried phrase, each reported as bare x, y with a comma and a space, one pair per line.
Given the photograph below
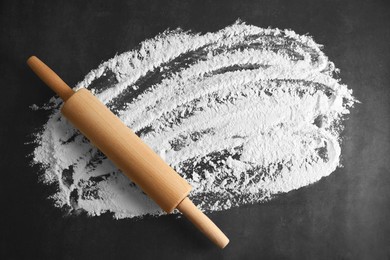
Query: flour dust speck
243, 114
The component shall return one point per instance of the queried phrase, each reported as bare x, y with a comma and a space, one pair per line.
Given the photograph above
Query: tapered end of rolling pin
50, 78
203, 223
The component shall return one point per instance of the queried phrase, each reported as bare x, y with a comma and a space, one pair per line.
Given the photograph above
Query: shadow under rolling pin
128, 152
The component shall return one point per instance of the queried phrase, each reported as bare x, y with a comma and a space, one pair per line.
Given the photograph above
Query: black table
343, 216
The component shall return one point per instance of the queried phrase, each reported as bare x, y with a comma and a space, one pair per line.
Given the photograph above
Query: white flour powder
243, 114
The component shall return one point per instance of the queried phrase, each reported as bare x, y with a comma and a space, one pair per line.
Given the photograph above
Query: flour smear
243, 114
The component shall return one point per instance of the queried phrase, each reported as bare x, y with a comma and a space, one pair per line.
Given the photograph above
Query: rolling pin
127, 151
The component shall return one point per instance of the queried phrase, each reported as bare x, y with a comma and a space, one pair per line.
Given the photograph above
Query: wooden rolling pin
128, 152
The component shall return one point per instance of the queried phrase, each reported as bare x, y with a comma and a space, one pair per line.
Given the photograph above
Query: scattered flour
243, 114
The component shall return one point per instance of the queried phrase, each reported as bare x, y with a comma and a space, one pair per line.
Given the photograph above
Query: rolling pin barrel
127, 151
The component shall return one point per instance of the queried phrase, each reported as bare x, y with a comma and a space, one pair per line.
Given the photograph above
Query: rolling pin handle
50, 78
202, 222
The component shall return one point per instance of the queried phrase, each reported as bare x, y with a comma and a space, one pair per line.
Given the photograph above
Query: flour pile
243, 114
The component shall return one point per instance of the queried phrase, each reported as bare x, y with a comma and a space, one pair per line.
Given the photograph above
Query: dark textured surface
344, 216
